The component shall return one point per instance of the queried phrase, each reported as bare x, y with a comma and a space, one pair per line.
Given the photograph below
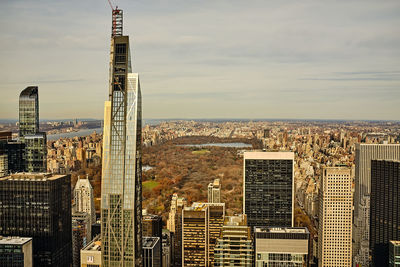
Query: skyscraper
214, 192
39, 206
336, 204
84, 198
364, 154
35, 141
174, 224
16, 251
385, 208
121, 191
268, 184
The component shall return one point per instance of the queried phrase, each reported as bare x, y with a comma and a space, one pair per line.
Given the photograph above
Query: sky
207, 59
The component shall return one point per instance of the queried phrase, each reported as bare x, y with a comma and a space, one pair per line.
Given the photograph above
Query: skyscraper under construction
121, 191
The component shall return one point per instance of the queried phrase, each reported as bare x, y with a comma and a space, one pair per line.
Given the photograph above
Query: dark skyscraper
35, 142
121, 190
39, 206
385, 208
268, 188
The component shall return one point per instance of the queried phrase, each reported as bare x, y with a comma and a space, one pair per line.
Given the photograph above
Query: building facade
385, 208
335, 220
39, 206
121, 191
268, 188
152, 227
81, 235
281, 246
394, 253
84, 198
151, 255
364, 154
214, 192
16, 252
234, 246
91, 253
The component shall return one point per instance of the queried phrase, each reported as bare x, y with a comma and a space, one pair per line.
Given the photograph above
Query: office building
335, 219
385, 208
268, 188
81, 235
194, 236
14, 150
3, 165
152, 227
84, 198
91, 254
121, 190
39, 206
394, 253
35, 155
16, 251
281, 246
166, 248
364, 154
215, 221
234, 246
151, 255
214, 192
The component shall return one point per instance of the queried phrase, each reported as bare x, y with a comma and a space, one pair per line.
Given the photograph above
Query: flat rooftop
268, 155
14, 240
94, 245
395, 242
291, 230
27, 176
150, 242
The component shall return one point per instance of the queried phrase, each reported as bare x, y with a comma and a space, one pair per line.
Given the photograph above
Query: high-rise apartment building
39, 206
215, 221
214, 192
268, 188
281, 246
174, 225
121, 191
364, 154
234, 246
335, 219
35, 142
394, 253
152, 227
84, 198
385, 208
16, 251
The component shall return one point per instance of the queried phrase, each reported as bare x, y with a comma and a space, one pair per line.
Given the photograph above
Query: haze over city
208, 59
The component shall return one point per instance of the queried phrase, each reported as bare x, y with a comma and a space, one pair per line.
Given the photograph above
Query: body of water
236, 145
83, 132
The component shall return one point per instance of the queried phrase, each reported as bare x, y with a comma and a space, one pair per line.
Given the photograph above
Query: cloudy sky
208, 59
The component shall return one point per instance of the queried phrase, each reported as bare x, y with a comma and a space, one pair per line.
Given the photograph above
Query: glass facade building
35, 152
39, 206
385, 208
268, 198
15, 252
121, 192
394, 254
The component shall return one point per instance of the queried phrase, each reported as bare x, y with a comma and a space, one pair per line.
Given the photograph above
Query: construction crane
116, 29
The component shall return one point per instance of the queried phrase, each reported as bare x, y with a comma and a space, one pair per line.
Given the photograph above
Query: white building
84, 198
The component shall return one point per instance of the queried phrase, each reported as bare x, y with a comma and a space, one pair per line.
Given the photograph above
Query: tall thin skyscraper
121, 193
214, 192
336, 205
84, 198
268, 184
361, 228
385, 208
35, 142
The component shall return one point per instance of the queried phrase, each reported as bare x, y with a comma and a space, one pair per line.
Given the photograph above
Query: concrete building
152, 227
91, 254
81, 235
281, 246
335, 220
166, 248
394, 253
39, 206
214, 192
174, 225
16, 252
268, 188
84, 198
364, 154
234, 246
385, 208
151, 255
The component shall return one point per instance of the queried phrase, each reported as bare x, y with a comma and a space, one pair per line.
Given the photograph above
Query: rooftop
269, 155
14, 240
94, 245
395, 242
150, 242
291, 230
27, 176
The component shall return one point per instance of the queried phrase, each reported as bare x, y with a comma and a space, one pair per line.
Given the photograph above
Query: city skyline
293, 60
